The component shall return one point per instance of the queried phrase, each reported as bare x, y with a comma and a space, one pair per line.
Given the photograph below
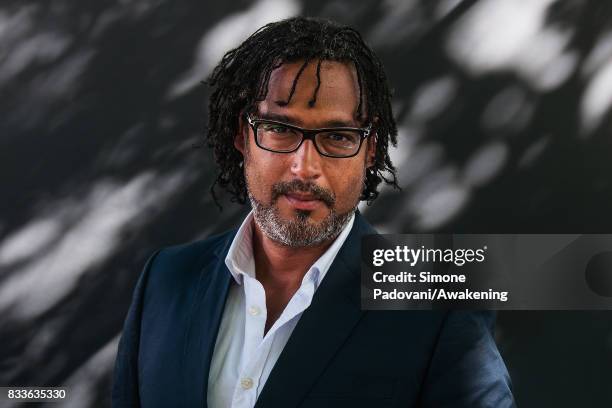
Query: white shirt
243, 357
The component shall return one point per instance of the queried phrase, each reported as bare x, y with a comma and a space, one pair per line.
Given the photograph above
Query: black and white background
504, 109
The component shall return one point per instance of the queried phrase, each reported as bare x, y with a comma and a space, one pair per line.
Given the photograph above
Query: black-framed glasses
279, 137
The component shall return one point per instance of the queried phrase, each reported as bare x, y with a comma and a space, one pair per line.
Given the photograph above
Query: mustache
305, 187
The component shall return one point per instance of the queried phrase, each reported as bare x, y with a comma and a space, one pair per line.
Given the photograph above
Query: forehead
335, 92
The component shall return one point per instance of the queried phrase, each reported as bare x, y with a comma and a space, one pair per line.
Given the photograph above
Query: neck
281, 265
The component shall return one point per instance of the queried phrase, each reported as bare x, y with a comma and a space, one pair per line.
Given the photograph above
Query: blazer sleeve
466, 369
125, 377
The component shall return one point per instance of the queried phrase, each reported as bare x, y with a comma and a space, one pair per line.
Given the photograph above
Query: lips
302, 201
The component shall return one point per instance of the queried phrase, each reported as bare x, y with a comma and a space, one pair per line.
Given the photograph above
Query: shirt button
246, 383
254, 311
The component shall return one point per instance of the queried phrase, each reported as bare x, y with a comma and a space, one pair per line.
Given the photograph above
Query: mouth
302, 201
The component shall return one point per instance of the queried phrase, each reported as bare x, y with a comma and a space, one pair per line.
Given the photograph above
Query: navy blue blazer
338, 355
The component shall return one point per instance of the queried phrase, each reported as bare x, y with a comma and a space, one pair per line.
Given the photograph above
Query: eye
338, 137
274, 128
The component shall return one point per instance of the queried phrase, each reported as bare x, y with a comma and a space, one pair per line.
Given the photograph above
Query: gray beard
298, 232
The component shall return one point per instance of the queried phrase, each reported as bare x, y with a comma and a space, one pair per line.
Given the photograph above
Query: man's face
302, 198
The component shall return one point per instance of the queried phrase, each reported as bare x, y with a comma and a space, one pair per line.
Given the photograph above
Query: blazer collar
334, 311
205, 318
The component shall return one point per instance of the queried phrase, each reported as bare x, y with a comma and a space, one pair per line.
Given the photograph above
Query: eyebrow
279, 117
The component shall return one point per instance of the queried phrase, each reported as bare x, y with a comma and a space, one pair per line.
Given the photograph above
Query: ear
240, 139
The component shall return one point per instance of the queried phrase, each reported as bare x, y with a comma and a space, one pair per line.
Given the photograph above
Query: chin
297, 214
304, 215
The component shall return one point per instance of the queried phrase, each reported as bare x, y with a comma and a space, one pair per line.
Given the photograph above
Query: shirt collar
240, 261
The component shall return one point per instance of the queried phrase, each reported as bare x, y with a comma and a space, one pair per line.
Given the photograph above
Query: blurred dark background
504, 108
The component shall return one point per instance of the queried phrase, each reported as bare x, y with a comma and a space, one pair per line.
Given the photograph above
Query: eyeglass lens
281, 138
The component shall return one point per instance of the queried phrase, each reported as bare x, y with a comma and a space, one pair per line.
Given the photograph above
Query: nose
306, 162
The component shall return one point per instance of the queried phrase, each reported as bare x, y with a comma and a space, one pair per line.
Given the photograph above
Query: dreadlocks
241, 79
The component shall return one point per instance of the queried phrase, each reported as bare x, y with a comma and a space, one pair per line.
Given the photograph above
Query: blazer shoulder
181, 264
362, 226
192, 251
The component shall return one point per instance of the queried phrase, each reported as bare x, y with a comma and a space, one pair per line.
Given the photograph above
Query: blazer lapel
206, 313
322, 329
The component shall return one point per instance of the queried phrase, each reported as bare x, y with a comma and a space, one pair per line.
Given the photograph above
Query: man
269, 315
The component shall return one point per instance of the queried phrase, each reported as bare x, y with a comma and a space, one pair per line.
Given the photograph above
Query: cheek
262, 171
348, 184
